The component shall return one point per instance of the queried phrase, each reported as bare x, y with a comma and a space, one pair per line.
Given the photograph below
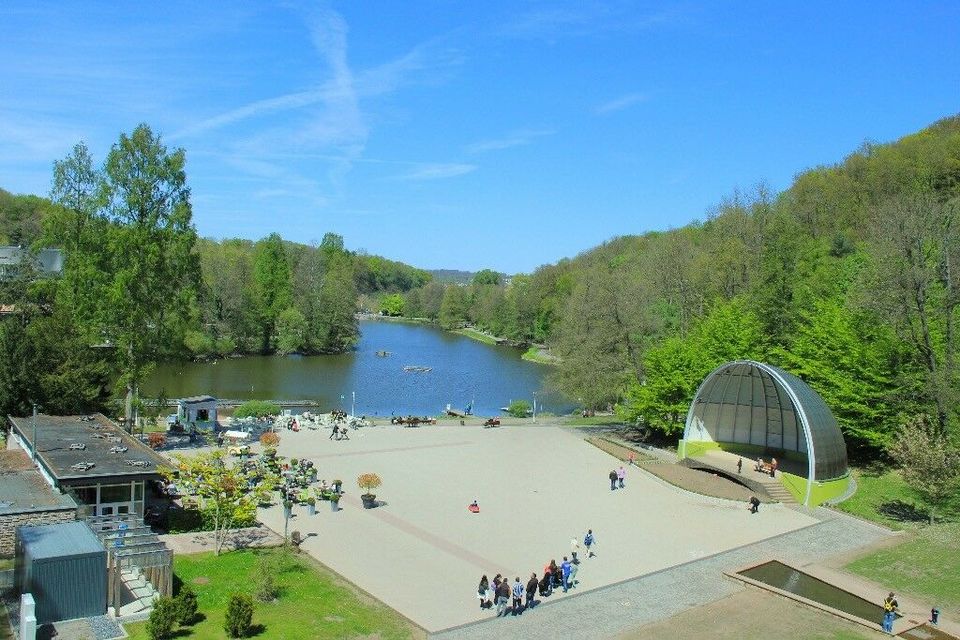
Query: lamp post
534, 407
34, 425
353, 403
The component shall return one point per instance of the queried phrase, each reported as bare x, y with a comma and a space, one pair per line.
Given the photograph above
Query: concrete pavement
423, 553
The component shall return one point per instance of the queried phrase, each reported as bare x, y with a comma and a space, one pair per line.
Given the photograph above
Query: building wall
10, 522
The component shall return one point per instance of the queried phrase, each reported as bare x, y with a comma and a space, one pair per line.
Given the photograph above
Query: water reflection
461, 371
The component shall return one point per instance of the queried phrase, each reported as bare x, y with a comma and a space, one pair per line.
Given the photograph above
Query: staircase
142, 593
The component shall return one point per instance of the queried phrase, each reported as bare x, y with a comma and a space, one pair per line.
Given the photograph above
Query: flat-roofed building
26, 499
106, 470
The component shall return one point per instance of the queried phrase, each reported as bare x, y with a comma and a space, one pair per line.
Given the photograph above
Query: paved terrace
423, 553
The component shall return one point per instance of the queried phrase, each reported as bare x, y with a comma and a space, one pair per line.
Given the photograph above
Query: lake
462, 371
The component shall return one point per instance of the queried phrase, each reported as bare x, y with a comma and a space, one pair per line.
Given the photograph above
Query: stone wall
10, 521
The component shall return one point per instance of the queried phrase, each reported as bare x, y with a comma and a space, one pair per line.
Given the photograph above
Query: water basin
786, 578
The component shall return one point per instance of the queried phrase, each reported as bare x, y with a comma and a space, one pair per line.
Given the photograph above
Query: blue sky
470, 135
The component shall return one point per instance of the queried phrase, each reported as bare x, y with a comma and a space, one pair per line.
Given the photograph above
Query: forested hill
850, 278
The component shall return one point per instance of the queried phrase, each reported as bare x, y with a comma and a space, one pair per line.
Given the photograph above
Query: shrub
162, 618
269, 439
519, 409
265, 586
186, 606
294, 462
369, 481
256, 409
239, 616
156, 440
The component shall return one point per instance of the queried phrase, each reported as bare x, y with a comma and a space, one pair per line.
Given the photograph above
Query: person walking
613, 480
754, 504
574, 549
773, 468
739, 465
566, 568
531, 590
482, 591
890, 607
621, 474
503, 595
517, 596
588, 541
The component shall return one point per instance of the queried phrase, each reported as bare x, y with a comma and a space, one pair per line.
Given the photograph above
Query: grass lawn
476, 335
883, 497
926, 566
313, 603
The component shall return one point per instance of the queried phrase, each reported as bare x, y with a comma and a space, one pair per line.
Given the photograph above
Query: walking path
611, 611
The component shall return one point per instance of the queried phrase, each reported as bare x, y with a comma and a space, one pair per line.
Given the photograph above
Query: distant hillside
451, 275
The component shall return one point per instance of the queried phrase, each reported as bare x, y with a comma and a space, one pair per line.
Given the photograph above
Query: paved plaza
422, 553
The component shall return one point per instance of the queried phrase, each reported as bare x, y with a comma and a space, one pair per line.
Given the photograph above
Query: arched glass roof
752, 403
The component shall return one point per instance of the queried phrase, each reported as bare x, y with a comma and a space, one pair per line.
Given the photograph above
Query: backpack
588, 539
517, 590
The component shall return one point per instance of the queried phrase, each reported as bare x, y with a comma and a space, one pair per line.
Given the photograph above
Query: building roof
23, 489
67, 441
196, 400
753, 403
59, 540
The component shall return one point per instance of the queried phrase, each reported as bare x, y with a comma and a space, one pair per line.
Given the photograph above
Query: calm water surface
462, 370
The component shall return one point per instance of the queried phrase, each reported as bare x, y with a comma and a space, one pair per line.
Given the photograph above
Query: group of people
617, 476
518, 596
339, 433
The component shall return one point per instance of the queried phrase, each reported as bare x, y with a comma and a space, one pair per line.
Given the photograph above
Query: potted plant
334, 502
312, 505
369, 481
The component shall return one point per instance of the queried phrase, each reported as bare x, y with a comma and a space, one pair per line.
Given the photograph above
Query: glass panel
115, 493
85, 495
138, 491
106, 511
123, 508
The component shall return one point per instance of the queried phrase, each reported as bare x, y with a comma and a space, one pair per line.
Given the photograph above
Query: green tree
222, 488
453, 308
845, 357
335, 328
929, 461
291, 331
392, 305
272, 285
486, 277
135, 282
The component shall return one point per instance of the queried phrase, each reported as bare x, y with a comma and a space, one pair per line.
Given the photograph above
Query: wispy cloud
438, 171
513, 139
585, 20
621, 103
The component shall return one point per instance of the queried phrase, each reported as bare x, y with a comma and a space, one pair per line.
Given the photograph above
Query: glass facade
109, 499
754, 404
